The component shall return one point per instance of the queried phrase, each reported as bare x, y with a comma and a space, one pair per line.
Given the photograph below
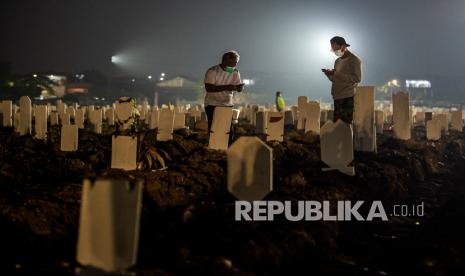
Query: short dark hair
339, 41
230, 53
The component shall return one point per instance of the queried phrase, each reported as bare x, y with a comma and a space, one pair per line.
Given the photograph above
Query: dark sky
282, 42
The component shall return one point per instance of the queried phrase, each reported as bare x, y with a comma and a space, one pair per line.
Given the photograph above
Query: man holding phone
220, 83
345, 77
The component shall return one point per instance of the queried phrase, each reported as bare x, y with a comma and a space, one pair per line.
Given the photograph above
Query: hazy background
283, 44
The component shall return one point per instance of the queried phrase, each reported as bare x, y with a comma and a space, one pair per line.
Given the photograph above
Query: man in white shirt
220, 83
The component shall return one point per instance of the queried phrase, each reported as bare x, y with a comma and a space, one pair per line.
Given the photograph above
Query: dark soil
188, 225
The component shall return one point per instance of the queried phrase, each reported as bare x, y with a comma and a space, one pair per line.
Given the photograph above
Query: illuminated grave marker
79, 118
456, 120
165, 125
69, 138
124, 152
40, 123
337, 146
288, 118
275, 126
443, 122
312, 117
153, 118
95, 118
260, 122
301, 105
433, 130
364, 119
110, 116
123, 112
53, 118
179, 119
294, 110
250, 169
420, 118
65, 119
71, 111
219, 133
323, 116
401, 115
25, 123
109, 224
379, 121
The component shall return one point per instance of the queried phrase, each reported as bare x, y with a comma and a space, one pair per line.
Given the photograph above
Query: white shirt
217, 76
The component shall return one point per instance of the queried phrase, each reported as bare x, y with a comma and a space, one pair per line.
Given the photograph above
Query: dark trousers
210, 111
344, 110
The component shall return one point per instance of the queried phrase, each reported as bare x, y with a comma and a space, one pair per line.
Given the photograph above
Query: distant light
35, 75
163, 74
133, 80
248, 82
149, 77
114, 59
418, 84
161, 78
393, 82
52, 76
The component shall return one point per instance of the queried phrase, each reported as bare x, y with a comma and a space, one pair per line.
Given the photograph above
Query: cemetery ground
188, 224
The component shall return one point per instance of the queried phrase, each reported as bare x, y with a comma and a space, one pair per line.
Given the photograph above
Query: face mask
338, 53
229, 69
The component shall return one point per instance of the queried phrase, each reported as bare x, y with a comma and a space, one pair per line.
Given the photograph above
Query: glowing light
35, 75
149, 77
163, 74
248, 82
161, 78
418, 84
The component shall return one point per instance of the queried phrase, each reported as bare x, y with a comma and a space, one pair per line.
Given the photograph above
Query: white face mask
338, 53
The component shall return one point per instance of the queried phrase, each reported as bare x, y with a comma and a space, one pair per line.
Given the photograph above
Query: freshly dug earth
188, 224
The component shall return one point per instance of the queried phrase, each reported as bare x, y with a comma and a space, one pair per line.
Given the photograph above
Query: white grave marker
456, 120
165, 125
337, 146
109, 224
433, 130
401, 115
221, 125
364, 119
69, 138
40, 123
25, 122
124, 152
250, 169
275, 126
312, 115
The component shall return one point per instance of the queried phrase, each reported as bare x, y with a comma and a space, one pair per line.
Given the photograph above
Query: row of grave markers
110, 209
306, 116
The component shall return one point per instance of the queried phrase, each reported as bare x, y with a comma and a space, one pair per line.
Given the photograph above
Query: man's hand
328, 72
239, 87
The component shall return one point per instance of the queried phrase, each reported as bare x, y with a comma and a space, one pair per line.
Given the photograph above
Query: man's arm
355, 76
211, 88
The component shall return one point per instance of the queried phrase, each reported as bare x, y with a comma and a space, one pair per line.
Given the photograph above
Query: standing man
280, 103
345, 76
220, 82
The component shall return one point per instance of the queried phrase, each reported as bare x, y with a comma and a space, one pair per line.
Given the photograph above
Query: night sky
282, 42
